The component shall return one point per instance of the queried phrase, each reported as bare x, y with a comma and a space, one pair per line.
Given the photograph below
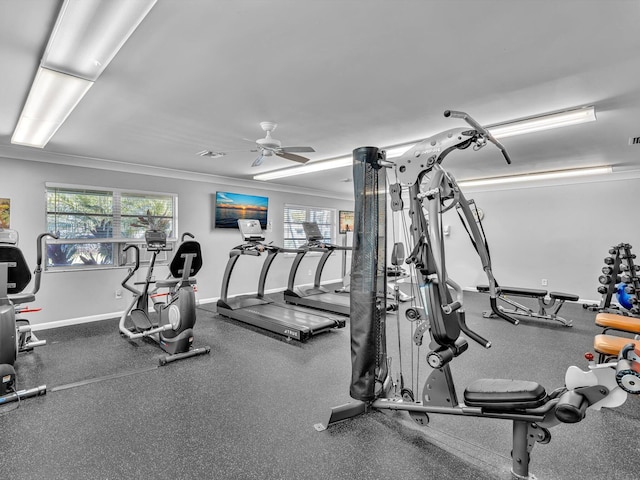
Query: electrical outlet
544, 282
118, 293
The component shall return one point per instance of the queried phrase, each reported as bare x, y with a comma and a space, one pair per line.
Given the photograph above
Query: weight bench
609, 346
553, 303
621, 323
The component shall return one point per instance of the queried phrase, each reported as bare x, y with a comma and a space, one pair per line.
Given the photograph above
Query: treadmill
292, 322
317, 297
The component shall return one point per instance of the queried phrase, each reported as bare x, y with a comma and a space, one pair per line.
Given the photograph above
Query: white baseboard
74, 321
107, 316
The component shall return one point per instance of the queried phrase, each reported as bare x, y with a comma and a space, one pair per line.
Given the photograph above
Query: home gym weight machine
434, 190
15, 332
172, 329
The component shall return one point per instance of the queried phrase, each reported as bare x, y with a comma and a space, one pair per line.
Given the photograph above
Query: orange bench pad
618, 322
611, 345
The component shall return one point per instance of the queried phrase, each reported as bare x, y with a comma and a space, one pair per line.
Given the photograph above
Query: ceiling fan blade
296, 149
291, 156
258, 161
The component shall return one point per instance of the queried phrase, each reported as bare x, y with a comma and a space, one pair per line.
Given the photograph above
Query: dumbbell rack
619, 267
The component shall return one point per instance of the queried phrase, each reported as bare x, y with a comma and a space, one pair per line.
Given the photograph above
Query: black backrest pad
177, 264
20, 274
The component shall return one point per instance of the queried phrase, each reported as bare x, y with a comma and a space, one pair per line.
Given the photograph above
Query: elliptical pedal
140, 320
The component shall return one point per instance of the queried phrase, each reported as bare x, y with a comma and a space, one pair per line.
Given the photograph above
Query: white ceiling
337, 75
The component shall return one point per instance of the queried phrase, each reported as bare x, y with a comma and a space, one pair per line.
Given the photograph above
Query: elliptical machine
172, 327
15, 332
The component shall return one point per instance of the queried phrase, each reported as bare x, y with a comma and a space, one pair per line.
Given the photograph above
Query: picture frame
5, 213
345, 221
230, 207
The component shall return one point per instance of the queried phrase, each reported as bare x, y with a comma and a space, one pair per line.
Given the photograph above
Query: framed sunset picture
231, 207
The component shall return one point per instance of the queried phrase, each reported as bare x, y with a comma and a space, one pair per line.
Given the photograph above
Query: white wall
91, 294
561, 233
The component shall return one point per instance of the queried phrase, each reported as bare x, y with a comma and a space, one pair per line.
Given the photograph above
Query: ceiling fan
269, 146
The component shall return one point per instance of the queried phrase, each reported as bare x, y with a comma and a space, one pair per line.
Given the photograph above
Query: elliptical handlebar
481, 130
132, 270
40, 241
186, 234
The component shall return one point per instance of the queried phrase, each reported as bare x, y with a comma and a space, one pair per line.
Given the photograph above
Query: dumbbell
603, 290
607, 270
609, 260
607, 279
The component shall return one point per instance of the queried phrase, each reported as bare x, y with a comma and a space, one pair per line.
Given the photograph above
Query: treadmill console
251, 230
312, 232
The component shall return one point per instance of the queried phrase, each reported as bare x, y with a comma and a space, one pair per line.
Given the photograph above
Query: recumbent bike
15, 332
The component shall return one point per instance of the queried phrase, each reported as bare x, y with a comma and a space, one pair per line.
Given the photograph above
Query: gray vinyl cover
368, 276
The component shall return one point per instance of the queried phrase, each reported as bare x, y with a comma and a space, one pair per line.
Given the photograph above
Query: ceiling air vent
634, 141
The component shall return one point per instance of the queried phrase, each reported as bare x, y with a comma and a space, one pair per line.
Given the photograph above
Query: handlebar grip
186, 234
462, 323
137, 249
494, 308
39, 245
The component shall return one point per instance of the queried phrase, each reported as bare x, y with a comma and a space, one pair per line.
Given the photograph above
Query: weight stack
368, 276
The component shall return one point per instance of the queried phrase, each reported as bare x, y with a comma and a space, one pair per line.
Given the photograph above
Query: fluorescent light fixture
86, 37
530, 177
543, 122
89, 33
507, 129
52, 97
339, 162
308, 168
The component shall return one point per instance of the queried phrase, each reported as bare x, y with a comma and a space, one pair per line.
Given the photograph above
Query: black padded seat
498, 394
18, 274
520, 292
564, 296
20, 298
177, 263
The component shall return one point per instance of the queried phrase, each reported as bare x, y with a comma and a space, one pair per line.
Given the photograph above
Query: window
93, 224
294, 215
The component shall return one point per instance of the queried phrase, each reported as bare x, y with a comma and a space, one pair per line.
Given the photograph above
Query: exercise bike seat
19, 298
503, 395
18, 274
167, 282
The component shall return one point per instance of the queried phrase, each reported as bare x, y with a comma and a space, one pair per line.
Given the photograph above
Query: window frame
307, 209
120, 259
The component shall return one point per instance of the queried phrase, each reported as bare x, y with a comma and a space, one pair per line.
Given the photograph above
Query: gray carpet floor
248, 409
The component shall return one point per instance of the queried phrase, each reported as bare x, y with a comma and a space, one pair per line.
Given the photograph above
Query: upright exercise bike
15, 332
171, 325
